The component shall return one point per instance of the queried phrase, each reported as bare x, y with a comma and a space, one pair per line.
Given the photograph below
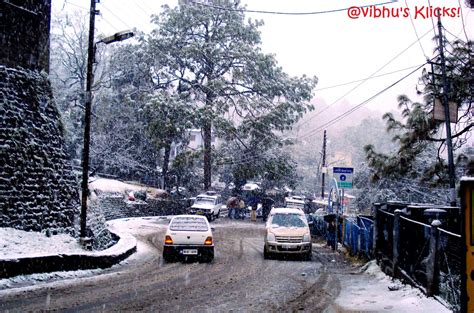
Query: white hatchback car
287, 232
188, 236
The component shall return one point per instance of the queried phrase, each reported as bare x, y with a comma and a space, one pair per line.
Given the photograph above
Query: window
288, 220
204, 200
188, 224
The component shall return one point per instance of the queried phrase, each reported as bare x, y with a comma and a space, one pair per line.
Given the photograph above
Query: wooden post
432, 264
359, 234
396, 241
376, 229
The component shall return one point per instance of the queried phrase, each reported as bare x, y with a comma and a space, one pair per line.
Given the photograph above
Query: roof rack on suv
210, 193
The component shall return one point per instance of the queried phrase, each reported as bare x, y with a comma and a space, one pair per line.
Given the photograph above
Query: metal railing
425, 255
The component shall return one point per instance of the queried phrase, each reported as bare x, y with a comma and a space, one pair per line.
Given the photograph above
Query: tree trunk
206, 129
166, 160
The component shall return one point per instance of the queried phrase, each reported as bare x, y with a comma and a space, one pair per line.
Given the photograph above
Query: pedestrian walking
253, 202
241, 210
232, 206
267, 203
331, 234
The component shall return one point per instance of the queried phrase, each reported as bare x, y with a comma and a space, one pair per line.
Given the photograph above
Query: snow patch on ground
374, 291
16, 243
116, 186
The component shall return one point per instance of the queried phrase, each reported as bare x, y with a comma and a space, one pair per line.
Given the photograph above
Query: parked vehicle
287, 232
188, 236
208, 204
295, 202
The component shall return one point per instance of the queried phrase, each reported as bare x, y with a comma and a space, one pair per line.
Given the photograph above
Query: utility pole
444, 99
323, 165
87, 124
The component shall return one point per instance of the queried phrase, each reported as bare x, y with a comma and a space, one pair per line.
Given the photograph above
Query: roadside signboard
343, 176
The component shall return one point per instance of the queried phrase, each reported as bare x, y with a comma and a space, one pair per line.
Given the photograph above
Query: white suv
207, 204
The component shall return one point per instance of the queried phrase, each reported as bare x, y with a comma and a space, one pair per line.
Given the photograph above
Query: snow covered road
238, 280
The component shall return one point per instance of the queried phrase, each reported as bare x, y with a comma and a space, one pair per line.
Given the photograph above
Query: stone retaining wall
38, 190
115, 206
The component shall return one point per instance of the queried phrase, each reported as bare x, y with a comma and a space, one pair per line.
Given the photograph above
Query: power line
416, 33
73, 4
362, 82
132, 8
289, 13
347, 113
102, 18
117, 17
141, 8
432, 20
462, 21
462, 40
367, 78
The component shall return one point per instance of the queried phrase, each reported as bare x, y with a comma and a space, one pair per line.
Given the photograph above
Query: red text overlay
418, 12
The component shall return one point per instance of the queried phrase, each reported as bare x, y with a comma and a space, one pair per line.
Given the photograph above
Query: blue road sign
343, 176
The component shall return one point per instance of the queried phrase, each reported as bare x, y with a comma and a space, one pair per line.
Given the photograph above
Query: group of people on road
236, 207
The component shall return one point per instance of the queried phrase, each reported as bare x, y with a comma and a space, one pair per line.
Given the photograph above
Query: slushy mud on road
238, 279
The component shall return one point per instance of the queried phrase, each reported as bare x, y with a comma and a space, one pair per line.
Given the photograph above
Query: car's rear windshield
188, 224
204, 200
288, 220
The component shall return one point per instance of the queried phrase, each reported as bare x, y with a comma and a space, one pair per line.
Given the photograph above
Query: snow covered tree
68, 74
170, 118
272, 166
214, 55
120, 142
418, 132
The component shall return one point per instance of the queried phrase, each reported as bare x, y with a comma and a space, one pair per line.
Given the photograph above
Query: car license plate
286, 247
200, 213
190, 252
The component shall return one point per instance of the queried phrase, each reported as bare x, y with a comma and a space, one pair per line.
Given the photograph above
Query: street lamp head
120, 36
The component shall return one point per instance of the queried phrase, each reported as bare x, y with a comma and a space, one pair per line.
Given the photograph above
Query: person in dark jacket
233, 206
267, 203
331, 234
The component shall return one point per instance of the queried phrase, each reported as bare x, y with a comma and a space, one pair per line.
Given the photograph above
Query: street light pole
323, 169
87, 116
87, 124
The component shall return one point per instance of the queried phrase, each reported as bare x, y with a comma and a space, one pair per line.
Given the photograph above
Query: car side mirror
213, 228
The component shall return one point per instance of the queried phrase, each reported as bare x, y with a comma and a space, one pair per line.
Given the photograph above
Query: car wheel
207, 258
266, 254
308, 256
168, 258
218, 214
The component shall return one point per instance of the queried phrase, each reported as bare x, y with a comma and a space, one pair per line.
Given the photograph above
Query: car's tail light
168, 240
208, 241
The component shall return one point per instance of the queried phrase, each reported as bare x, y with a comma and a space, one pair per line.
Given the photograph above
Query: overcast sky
332, 46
